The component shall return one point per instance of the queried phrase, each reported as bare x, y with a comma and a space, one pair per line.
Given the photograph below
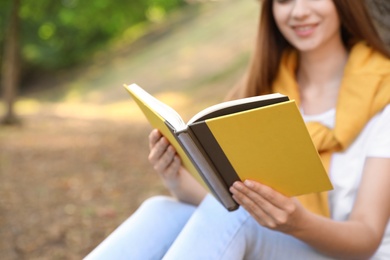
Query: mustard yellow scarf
364, 91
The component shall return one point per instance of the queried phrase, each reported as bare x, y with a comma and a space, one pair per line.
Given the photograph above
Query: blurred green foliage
60, 33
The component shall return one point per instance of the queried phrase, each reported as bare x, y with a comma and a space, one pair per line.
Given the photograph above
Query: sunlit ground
122, 110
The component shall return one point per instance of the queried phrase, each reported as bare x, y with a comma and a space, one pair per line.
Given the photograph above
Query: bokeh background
73, 145
73, 165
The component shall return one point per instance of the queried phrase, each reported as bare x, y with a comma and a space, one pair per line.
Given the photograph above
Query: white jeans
163, 228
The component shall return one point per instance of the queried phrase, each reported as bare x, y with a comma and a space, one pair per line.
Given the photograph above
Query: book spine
207, 172
212, 149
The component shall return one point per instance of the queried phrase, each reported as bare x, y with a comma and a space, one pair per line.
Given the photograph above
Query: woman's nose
301, 9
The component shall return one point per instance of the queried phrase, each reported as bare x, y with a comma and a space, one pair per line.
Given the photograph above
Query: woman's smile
304, 30
308, 25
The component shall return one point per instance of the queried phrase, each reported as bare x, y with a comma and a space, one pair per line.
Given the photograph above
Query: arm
358, 237
176, 178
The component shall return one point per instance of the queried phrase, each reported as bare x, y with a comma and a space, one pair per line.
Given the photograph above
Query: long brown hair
356, 25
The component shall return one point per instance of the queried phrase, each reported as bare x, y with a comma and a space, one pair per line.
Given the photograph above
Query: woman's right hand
168, 165
164, 158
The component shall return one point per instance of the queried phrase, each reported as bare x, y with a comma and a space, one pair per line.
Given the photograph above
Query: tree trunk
11, 64
380, 11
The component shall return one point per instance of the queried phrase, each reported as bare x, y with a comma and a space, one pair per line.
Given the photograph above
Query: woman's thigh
148, 233
214, 233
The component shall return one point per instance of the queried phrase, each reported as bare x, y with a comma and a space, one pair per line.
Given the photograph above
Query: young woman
328, 57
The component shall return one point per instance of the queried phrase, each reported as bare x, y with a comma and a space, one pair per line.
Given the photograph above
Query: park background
74, 166
73, 157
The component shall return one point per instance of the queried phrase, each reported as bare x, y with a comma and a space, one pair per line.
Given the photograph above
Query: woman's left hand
270, 208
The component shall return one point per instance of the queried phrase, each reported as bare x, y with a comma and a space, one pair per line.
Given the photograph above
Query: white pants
163, 228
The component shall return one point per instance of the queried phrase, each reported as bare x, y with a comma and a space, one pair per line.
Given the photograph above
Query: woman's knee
158, 202
158, 206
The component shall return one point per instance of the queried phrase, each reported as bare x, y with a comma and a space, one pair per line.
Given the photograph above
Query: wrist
301, 222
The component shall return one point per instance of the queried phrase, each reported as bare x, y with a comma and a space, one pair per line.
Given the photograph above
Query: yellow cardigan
364, 91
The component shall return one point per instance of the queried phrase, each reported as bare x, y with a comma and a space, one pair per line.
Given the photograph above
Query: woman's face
307, 24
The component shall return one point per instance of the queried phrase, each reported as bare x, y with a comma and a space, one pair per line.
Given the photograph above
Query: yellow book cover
272, 145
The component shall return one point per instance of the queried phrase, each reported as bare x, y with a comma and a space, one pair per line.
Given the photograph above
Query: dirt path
66, 183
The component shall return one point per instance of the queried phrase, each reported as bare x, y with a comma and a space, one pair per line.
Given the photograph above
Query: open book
262, 138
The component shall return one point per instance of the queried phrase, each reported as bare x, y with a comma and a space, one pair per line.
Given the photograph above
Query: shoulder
369, 69
364, 59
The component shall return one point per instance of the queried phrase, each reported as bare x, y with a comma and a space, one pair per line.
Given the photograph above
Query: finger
158, 150
267, 196
239, 195
259, 199
257, 193
272, 203
173, 168
154, 137
165, 160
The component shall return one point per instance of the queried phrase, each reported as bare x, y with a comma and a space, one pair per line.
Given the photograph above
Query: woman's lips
304, 30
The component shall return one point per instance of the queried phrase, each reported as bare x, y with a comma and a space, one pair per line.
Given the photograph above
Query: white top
346, 167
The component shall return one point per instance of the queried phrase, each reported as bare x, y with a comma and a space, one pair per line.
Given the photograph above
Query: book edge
207, 171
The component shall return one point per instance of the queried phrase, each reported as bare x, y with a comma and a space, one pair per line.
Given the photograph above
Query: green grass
201, 51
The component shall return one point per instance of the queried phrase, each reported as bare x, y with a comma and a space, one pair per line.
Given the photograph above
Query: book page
238, 105
165, 111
